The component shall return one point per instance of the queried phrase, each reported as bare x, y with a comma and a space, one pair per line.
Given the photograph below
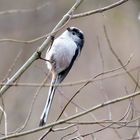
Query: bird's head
75, 34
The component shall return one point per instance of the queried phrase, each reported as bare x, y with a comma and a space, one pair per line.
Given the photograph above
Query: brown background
124, 31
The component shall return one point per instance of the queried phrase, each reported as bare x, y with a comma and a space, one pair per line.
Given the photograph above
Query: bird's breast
61, 53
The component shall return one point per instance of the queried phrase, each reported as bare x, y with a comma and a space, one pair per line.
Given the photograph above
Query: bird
60, 57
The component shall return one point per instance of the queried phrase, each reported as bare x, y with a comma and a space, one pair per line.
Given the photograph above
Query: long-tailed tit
62, 54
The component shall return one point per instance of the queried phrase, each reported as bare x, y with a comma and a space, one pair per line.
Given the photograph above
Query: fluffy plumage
62, 54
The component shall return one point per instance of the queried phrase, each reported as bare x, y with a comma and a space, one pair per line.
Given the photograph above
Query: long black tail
56, 80
46, 110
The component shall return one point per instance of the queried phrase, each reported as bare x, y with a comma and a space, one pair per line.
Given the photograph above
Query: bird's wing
64, 73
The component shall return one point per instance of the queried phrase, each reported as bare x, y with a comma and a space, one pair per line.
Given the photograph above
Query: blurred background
39, 17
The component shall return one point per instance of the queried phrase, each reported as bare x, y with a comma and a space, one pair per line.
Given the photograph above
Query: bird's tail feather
46, 110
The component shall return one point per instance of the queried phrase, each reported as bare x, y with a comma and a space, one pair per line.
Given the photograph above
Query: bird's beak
69, 29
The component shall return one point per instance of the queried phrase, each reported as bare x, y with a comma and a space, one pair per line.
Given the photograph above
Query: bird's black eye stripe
73, 33
76, 31
81, 36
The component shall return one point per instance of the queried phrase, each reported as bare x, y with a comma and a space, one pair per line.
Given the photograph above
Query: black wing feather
64, 73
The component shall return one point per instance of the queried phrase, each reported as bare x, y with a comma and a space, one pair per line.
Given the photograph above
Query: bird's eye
73, 33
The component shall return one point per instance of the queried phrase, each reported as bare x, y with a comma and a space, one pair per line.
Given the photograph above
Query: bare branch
12, 66
5, 121
118, 59
88, 82
32, 104
99, 106
100, 10
40, 49
35, 39
17, 11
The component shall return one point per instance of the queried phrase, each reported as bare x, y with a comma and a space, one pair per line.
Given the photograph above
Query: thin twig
104, 93
69, 134
87, 134
39, 50
99, 106
88, 82
32, 104
75, 83
12, 66
100, 10
117, 57
64, 128
35, 39
17, 11
5, 121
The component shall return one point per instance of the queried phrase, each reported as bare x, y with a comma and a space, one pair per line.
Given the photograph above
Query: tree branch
99, 106
40, 49
100, 10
